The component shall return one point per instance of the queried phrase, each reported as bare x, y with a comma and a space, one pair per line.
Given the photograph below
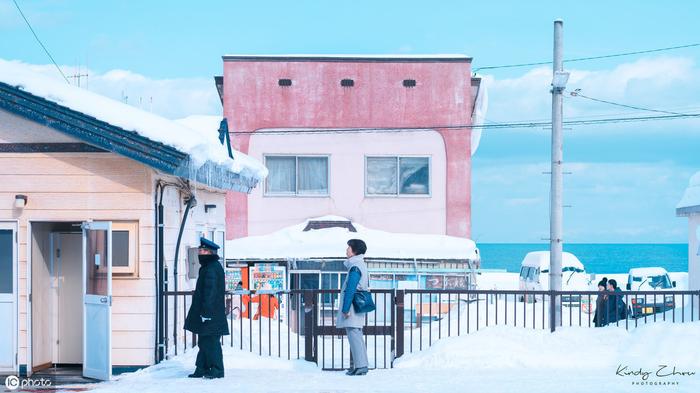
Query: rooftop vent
347, 83
313, 225
409, 83
284, 82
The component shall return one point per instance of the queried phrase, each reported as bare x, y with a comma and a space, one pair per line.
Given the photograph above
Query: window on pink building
387, 176
297, 175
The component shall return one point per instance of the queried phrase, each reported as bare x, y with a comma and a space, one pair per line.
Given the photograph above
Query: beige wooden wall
100, 186
78, 187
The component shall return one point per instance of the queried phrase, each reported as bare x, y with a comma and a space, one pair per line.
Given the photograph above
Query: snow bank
497, 359
505, 347
200, 146
691, 197
293, 242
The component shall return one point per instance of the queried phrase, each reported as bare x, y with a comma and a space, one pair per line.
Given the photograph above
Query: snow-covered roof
293, 242
201, 147
691, 196
541, 259
647, 271
207, 126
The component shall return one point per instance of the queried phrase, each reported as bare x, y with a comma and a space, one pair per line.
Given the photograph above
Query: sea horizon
596, 257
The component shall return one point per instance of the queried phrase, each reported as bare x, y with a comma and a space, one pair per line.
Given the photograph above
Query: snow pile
496, 359
293, 242
201, 147
505, 347
691, 197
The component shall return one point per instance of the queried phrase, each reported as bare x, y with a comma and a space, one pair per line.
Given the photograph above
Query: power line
588, 58
577, 93
523, 124
39, 41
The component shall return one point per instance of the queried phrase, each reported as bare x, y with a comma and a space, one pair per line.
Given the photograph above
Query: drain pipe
161, 272
191, 201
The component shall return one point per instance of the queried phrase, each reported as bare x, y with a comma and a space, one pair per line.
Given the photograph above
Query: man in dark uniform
207, 315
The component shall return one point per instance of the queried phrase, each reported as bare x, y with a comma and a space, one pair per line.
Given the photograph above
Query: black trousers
210, 359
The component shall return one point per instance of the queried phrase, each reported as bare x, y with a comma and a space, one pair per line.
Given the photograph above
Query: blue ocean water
597, 258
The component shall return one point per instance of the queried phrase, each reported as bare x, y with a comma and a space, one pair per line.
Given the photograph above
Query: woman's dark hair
603, 282
613, 283
358, 246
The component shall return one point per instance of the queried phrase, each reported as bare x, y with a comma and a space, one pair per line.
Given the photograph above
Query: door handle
103, 300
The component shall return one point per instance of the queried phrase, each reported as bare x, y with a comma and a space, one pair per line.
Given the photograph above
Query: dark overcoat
208, 301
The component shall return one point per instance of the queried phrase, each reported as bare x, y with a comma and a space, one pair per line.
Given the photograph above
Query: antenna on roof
77, 75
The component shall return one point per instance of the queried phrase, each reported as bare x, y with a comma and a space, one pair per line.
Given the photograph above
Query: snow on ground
497, 359
293, 242
201, 146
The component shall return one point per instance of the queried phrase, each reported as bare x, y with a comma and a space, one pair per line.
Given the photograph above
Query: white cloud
659, 83
172, 98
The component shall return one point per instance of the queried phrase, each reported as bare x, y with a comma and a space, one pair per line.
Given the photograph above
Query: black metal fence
300, 324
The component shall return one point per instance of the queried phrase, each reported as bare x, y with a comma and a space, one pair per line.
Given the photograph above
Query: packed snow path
495, 359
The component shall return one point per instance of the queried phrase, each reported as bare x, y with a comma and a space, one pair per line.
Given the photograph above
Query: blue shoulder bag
362, 302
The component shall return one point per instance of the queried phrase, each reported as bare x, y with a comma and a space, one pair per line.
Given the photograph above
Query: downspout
161, 271
191, 201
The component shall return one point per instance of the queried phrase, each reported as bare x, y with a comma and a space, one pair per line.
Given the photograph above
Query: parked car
534, 276
650, 279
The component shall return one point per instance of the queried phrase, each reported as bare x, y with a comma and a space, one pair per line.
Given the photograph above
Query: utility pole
556, 242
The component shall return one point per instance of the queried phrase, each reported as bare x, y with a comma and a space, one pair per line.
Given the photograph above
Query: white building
689, 206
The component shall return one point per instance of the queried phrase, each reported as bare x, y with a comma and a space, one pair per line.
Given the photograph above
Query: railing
300, 324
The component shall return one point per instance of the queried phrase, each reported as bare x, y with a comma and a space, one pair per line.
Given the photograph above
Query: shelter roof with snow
326, 237
106, 124
690, 203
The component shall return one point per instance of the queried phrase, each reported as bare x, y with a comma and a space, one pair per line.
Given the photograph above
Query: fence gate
327, 345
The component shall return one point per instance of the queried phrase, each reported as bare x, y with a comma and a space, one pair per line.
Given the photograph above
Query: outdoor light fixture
207, 208
20, 201
559, 80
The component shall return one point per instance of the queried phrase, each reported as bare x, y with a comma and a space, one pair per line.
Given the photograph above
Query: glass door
8, 297
97, 300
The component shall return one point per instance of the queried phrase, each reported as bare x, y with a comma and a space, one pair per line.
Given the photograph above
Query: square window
397, 176
381, 175
125, 245
297, 175
282, 175
415, 175
313, 175
120, 248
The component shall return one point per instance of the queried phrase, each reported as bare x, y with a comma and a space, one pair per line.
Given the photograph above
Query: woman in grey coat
356, 280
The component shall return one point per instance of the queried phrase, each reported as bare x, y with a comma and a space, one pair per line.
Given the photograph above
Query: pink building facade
382, 140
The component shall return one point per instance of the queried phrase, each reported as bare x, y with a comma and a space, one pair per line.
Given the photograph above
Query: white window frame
398, 177
296, 193
133, 269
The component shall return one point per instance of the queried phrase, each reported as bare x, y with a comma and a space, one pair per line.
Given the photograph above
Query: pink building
382, 140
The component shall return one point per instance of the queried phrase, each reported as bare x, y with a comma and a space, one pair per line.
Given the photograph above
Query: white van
534, 274
650, 279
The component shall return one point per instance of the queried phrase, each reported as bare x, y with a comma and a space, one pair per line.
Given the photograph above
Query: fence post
399, 331
552, 310
309, 321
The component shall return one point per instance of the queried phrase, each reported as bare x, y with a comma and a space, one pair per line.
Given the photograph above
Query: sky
625, 180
